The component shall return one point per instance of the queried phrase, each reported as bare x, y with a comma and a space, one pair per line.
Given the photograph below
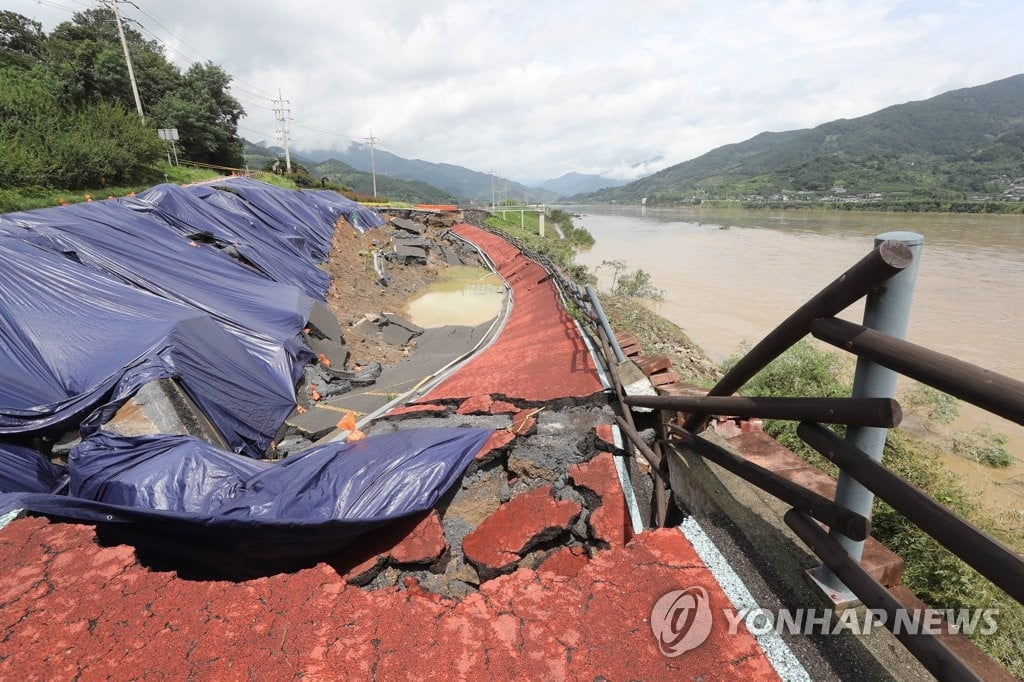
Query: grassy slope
28, 198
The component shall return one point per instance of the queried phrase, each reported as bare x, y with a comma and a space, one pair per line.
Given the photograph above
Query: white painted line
627, 487
595, 356
777, 651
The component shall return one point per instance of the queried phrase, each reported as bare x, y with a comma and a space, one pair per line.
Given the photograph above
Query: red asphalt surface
539, 354
70, 609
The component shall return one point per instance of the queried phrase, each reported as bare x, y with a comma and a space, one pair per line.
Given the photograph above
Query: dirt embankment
658, 336
357, 291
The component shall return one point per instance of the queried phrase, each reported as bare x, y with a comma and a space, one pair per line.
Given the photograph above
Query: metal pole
373, 164
603, 319
887, 309
128, 59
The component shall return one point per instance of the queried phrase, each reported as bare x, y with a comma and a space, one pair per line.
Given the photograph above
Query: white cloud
538, 88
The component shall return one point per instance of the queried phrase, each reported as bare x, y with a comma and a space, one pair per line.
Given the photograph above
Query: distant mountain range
413, 191
578, 183
967, 142
459, 182
421, 181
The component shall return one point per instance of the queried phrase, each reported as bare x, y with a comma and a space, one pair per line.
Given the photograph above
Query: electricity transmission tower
373, 166
283, 115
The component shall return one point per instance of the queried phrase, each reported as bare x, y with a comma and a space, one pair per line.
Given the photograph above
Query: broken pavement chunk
323, 322
313, 424
450, 256
409, 253
366, 376
397, 330
336, 353
608, 520
517, 526
407, 225
162, 406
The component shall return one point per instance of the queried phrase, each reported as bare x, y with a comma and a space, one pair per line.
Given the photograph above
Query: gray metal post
887, 310
603, 320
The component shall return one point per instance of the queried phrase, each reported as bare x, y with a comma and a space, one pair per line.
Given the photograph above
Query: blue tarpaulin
77, 341
25, 470
244, 515
211, 285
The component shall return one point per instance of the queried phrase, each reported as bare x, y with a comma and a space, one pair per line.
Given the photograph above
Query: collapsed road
482, 526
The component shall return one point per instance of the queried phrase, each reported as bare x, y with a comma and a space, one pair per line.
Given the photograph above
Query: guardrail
245, 172
848, 526
872, 276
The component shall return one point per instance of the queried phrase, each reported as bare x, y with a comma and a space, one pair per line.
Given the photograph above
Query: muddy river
730, 276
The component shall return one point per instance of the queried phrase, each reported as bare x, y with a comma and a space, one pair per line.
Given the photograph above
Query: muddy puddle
462, 296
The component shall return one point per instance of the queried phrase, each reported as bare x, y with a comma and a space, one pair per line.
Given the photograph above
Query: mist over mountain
578, 183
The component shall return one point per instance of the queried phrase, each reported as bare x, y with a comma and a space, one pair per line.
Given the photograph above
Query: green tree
86, 53
47, 142
205, 114
21, 40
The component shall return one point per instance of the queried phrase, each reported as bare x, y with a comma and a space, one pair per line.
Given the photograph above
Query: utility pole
373, 165
493, 205
283, 116
127, 59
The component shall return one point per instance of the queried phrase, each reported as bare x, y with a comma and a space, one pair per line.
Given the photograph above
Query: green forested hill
258, 155
967, 142
412, 191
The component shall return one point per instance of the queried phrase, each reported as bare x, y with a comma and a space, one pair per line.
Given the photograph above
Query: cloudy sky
538, 88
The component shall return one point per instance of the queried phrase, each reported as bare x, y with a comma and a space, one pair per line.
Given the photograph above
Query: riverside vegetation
932, 572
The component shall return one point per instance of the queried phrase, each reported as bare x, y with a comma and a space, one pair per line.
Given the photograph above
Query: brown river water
731, 275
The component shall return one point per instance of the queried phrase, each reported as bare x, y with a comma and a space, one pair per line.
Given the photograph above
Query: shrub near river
932, 572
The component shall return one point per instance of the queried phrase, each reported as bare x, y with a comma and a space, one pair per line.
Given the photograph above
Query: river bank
731, 275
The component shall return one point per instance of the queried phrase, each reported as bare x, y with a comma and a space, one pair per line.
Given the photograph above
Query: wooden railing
998, 394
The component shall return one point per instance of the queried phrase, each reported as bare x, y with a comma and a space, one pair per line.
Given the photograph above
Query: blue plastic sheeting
25, 470
77, 342
100, 298
332, 205
257, 243
175, 490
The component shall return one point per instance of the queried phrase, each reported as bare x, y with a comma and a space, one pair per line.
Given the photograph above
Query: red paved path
539, 354
72, 610
68, 608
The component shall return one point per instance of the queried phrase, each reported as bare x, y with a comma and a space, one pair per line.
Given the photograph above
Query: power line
258, 132
326, 132
171, 33
58, 6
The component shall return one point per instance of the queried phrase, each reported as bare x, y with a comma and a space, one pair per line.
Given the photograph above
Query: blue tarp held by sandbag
244, 516
211, 285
